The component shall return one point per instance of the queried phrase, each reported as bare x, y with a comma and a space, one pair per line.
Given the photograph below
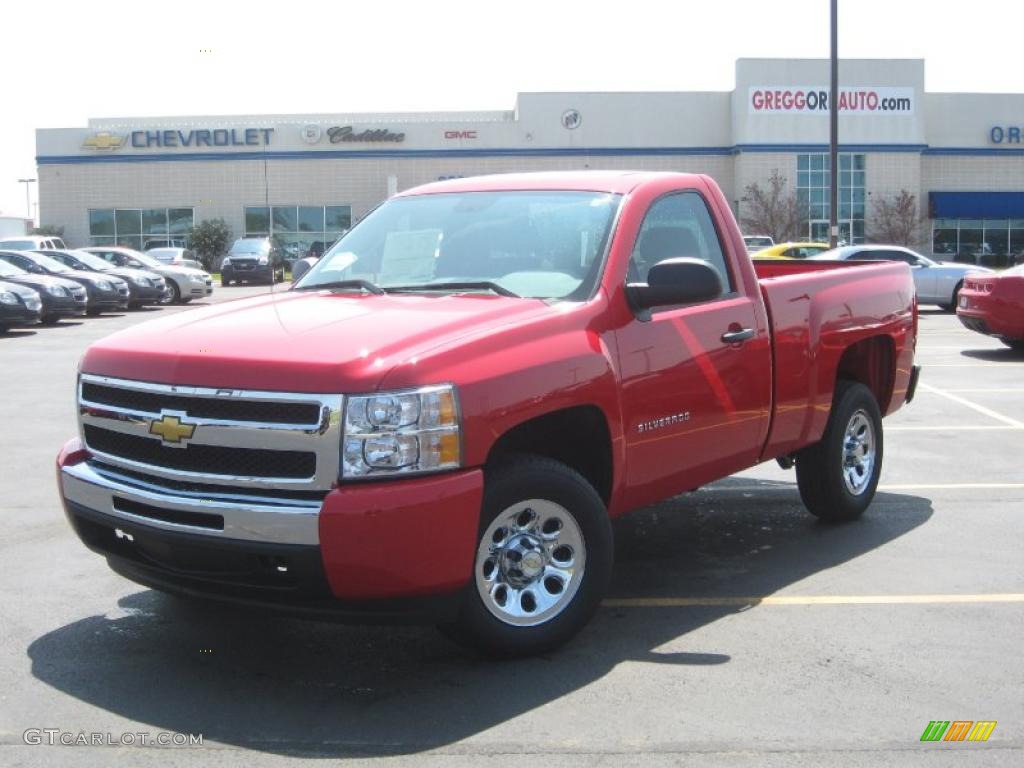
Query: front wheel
838, 475
543, 561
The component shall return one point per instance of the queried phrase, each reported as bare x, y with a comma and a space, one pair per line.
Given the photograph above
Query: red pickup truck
441, 419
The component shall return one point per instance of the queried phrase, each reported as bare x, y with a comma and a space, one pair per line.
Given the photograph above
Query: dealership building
306, 178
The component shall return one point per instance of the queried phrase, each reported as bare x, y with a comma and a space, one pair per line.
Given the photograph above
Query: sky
64, 62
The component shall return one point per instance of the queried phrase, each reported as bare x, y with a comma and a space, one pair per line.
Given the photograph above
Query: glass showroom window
139, 228
813, 179
992, 242
301, 230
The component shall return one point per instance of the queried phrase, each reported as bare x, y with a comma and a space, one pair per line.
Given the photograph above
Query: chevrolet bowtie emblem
171, 429
103, 141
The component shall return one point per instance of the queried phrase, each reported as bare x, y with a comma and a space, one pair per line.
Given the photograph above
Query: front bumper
18, 314
261, 273
144, 294
367, 551
62, 306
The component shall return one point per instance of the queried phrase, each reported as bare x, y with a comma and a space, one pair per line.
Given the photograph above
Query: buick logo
311, 133
571, 119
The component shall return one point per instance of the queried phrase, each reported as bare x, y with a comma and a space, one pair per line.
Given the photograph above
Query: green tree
210, 239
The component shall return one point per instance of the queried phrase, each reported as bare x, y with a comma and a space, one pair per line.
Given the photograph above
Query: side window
677, 225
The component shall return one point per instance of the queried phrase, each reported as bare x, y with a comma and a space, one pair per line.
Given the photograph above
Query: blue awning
976, 205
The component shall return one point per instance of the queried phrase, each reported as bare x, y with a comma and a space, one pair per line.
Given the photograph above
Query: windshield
92, 261
9, 270
250, 246
50, 265
758, 242
535, 244
144, 259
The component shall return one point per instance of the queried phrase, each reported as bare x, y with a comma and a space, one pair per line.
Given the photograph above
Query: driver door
696, 379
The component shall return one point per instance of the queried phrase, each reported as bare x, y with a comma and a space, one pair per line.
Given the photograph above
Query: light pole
28, 205
833, 130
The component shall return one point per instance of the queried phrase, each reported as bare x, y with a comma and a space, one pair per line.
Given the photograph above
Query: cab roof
617, 182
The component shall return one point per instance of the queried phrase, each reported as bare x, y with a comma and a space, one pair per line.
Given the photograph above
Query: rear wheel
175, 292
838, 475
93, 311
50, 319
543, 561
1015, 344
224, 283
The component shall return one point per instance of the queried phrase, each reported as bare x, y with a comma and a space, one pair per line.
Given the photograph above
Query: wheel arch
578, 436
872, 362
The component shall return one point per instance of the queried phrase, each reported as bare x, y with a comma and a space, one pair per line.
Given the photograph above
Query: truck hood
325, 342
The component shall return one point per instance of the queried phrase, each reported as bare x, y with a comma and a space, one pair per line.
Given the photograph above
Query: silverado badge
171, 429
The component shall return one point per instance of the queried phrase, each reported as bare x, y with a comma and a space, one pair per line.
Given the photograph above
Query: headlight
143, 281
8, 298
264, 260
56, 290
226, 262
103, 285
401, 432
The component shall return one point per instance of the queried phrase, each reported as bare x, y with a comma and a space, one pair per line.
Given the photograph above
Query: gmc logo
460, 134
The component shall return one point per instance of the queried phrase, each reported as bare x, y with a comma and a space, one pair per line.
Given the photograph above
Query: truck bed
831, 306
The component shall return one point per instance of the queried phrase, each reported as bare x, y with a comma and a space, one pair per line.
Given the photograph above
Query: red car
994, 305
441, 419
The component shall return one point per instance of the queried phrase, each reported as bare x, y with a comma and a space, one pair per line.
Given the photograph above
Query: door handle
736, 337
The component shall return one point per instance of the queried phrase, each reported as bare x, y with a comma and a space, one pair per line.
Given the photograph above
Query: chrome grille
222, 437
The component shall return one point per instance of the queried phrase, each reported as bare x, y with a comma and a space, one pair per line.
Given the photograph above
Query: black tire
224, 283
93, 312
820, 471
4, 328
50, 319
186, 300
1015, 344
517, 480
175, 293
956, 299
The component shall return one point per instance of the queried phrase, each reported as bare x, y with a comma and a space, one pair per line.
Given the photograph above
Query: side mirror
675, 281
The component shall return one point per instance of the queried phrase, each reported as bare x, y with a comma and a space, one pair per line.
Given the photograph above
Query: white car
32, 243
757, 242
178, 257
936, 282
186, 283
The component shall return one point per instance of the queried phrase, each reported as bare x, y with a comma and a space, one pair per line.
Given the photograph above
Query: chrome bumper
248, 518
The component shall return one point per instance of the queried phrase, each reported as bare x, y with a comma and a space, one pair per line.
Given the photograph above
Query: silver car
936, 282
185, 283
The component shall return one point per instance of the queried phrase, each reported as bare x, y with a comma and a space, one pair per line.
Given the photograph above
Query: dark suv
253, 259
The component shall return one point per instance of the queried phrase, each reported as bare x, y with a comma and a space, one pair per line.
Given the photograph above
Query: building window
299, 229
813, 182
139, 228
992, 242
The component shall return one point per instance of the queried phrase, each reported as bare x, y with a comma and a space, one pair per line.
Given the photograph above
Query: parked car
19, 305
791, 251
488, 403
757, 242
936, 282
164, 242
60, 297
144, 287
993, 304
253, 259
31, 243
104, 292
185, 283
175, 257
302, 266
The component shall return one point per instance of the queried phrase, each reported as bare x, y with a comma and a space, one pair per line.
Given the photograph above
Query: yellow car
791, 251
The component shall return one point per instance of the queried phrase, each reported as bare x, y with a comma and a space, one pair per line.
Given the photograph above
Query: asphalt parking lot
739, 631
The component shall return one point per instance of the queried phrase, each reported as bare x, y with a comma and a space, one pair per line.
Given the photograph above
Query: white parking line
884, 487
973, 406
1003, 390
683, 602
953, 428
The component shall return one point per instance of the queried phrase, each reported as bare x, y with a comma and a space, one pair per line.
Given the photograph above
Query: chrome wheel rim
859, 451
530, 563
